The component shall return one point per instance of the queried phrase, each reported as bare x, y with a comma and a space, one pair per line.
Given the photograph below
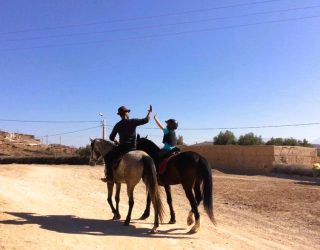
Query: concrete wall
254, 159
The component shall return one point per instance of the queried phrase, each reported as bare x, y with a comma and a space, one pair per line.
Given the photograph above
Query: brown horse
132, 167
190, 170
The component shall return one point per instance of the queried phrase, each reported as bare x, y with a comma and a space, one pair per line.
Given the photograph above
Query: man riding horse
126, 128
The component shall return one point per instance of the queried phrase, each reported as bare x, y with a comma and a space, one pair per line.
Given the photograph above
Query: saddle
164, 162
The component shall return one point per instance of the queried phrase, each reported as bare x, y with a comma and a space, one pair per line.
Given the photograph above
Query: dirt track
64, 207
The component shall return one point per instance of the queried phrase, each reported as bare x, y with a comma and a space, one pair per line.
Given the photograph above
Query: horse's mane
149, 147
150, 144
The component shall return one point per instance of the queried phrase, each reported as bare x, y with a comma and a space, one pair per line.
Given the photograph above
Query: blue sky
266, 74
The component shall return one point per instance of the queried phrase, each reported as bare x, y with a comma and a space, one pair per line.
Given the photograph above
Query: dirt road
64, 207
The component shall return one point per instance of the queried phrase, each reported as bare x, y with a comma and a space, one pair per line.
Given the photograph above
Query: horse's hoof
193, 231
143, 217
116, 217
190, 220
195, 228
172, 221
126, 223
154, 231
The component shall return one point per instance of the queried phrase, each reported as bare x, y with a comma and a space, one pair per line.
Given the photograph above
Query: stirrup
104, 179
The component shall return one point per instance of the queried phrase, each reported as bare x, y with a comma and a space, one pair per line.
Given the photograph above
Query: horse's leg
169, 201
110, 191
117, 215
146, 212
131, 203
194, 208
197, 192
198, 196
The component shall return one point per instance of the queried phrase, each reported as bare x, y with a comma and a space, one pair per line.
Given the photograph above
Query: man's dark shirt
127, 130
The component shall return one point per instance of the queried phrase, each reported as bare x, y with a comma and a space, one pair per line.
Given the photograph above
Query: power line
165, 34
143, 17
160, 25
70, 132
248, 127
208, 128
35, 121
192, 129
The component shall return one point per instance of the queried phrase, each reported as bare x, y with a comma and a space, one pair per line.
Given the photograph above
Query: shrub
250, 139
224, 138
84, 151
180, 140
288, 142
275, 141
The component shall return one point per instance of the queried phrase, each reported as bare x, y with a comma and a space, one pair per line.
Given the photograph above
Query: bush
180, 140
224, 138
84, 151
250, 139
305, 143
275, 141
288, 142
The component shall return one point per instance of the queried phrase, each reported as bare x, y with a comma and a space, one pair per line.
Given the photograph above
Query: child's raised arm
157, 122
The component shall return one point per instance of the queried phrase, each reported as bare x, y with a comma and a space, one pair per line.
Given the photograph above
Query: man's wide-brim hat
122, 110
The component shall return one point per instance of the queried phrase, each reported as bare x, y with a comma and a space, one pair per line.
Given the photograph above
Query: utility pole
103, 125
103, 129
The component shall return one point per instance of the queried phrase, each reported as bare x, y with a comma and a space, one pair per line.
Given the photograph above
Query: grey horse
133, 166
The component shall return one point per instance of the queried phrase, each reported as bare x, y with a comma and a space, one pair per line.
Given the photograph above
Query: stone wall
254, 159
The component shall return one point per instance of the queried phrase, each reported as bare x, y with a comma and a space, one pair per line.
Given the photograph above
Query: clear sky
208, 64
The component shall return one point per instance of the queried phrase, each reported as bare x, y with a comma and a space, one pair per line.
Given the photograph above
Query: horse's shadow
74, 225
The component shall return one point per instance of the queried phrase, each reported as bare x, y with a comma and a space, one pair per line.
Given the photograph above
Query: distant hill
205, 143
16, 144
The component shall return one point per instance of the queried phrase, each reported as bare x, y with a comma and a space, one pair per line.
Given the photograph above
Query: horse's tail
150, 178
207, 188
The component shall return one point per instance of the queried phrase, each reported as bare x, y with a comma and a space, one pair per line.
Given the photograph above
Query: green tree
224, 138
305, 143
180, 140
250, 139
84, 151
275, 141
290, 142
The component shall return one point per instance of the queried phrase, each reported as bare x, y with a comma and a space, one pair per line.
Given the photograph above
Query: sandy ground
64, 207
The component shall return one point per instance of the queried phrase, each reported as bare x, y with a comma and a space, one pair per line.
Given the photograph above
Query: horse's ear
138, 137
90, 139
146, 137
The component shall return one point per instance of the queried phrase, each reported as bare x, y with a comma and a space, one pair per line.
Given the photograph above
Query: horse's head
147, 146
141, 142
99, 148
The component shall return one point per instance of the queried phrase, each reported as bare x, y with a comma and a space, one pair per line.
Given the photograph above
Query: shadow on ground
309, 183
74, 225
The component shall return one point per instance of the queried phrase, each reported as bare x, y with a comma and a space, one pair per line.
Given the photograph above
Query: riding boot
109, 177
